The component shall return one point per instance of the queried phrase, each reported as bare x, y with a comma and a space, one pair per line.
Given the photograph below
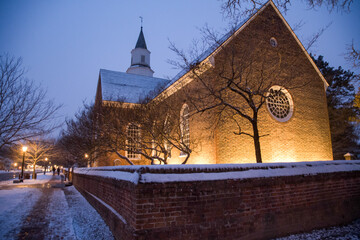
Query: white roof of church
130, 88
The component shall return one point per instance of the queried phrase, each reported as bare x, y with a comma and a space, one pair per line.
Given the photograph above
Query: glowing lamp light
86, 155
24, 148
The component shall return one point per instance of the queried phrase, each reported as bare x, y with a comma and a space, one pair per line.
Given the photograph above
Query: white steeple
140, 58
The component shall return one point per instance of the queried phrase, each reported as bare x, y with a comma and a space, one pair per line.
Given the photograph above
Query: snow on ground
41, 179
347, 232
15, 206
66, 213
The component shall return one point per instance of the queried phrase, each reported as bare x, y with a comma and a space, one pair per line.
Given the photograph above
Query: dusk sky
64, 43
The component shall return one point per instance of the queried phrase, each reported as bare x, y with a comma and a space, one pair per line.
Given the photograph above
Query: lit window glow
184, 126
133, 138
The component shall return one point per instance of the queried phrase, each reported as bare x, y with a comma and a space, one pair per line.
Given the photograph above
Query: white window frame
185, 126
129, 154
167, 144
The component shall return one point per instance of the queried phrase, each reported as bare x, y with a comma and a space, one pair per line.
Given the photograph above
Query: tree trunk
257, 142
186, 159
34, 173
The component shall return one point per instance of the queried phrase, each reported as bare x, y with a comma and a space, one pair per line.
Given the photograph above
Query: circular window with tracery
279, 103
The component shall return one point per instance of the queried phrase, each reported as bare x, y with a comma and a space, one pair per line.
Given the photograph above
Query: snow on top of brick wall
188, 173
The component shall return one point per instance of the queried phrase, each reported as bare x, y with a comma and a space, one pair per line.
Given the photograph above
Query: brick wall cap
185, 173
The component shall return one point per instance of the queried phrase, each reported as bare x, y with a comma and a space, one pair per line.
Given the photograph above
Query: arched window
167, 132
133, 140
117, 162
184, 126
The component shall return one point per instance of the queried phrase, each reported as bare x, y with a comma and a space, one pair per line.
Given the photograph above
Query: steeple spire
141, 40
140, 57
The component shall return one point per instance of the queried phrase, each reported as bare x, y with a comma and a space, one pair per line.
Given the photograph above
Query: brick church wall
162, 202
304, 137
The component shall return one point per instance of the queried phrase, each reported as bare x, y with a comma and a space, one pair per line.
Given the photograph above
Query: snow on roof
127, 87
189, 173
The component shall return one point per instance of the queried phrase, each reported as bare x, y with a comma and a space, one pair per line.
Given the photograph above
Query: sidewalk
43, 209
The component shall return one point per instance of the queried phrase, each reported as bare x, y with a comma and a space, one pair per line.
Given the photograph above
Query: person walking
53, 170
58, 171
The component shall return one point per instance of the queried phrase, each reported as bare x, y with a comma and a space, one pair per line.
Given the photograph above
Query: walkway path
48, 211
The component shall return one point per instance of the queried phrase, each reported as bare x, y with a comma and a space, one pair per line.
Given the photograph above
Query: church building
262, 61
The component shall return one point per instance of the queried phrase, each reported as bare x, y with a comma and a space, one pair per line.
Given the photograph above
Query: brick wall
239, 208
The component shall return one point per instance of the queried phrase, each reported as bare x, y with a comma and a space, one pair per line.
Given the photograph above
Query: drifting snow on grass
348, 232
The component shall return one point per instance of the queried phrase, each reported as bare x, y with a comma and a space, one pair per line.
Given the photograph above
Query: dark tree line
343, 109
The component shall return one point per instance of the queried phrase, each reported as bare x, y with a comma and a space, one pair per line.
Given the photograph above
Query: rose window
279, 103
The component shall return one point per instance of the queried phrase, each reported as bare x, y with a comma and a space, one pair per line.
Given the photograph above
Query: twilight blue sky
64, 43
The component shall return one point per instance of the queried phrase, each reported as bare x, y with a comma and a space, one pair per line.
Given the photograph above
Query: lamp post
46, 159
24, 149
86, 157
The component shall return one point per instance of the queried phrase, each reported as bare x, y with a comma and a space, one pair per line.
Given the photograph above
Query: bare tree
24, 111
150, 130
246, 7
112, 132
38, 149
163, 124
235, 83
353, 55
79, 138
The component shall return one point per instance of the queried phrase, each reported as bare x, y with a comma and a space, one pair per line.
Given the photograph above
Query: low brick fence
8, 175
249, 201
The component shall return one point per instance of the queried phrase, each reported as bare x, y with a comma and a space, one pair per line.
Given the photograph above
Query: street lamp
86, 157
24, 149
46, 159
15, 166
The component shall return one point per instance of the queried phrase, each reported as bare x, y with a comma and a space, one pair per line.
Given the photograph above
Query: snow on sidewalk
49, 213
15, 205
